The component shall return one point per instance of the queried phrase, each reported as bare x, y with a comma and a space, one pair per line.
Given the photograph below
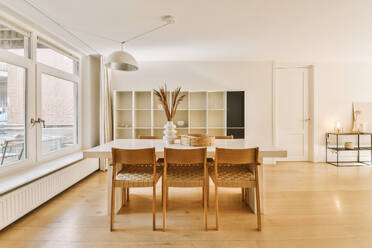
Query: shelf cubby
142, 118
159, 119
123, 118
216, 100
198, 100
198, 130
216, 118
182, 115
141, 131
182, 131
142, 100
198, 118
124, 100
217, 131
158, 131
123, 133
184, 105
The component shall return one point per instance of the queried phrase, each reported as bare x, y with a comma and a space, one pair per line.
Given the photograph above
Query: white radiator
19, 202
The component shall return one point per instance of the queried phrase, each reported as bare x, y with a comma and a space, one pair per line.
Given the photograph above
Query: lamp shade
121, 61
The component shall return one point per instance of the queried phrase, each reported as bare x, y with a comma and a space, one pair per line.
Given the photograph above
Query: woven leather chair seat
138, 175
185, 175
233, 176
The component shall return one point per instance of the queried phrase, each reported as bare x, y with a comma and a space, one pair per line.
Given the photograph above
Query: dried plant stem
170, 110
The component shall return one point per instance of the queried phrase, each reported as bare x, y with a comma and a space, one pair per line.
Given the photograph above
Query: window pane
51, 57
13, 41
12, 113
59, 110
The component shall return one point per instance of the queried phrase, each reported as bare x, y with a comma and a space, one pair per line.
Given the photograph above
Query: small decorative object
180, 123
362, 127
197, 140
170, 109
355, 122
338, 126
349, 146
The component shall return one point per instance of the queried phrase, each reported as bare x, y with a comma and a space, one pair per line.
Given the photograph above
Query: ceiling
305, 30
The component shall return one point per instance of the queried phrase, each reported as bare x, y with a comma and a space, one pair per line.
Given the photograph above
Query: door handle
308, 119
33, 122
39, 120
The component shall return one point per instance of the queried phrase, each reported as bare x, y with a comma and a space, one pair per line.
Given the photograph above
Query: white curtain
106, 124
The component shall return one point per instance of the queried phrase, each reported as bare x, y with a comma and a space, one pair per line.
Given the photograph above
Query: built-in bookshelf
140, 113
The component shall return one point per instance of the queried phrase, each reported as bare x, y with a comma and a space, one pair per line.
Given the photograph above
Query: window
13, 41
57, 59
39, 99
12, 113
59, 112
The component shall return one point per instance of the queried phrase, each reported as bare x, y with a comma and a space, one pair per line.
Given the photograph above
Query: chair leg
127, 194
112, 207
154, 207
203, 195
162, 191
246, 198
258, 202
167, 194
205, 208
208, 192
243, 194
164, 204
216, 196
124, 196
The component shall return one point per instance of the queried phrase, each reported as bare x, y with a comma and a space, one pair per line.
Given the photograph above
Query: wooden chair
224, 137
185, 168
233, 168
149, 137
139, 169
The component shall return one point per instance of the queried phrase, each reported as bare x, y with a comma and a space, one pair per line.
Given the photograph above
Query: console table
337, 148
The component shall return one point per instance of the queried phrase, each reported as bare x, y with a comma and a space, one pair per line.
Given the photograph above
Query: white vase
169, 133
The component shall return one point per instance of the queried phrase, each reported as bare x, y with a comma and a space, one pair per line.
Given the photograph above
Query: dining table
265, 152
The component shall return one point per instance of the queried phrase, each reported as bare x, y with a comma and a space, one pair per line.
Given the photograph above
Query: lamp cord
168, 19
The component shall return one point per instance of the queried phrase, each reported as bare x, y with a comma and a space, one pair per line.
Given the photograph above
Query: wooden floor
307, 205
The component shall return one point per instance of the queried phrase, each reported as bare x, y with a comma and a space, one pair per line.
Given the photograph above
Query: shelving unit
140, 113
336, 147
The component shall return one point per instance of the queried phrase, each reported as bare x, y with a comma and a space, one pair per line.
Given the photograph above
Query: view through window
59, 110
14, 41
12, 113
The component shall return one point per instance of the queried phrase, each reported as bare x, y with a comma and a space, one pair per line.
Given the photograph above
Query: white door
292, 96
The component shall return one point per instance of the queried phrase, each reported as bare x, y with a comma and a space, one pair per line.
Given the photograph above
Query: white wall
338, 85
253, 77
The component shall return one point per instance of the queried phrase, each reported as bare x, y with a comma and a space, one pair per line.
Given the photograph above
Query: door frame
313, 105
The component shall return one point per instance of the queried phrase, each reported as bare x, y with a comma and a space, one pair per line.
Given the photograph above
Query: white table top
104, 151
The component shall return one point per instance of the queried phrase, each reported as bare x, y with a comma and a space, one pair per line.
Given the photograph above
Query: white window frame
30, 149
33, 74
45, 69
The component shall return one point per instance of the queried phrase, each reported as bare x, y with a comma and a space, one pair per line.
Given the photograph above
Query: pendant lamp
123, 61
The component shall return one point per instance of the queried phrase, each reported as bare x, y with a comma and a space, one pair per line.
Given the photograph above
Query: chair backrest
237, 156
129, 157
224, 137
149, 137
185, 156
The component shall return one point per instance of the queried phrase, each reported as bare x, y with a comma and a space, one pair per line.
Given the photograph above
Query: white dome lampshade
121, 61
